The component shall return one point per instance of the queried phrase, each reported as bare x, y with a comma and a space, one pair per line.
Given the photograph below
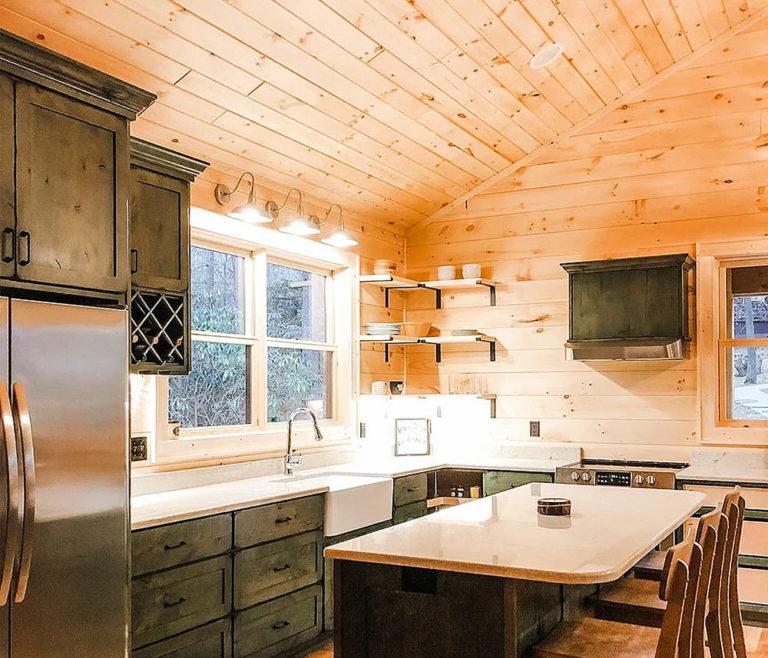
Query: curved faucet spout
290, 459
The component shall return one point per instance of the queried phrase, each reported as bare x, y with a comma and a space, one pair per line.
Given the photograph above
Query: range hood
630, 309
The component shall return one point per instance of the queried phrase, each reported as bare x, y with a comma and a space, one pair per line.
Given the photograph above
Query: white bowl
470, 271
446, 272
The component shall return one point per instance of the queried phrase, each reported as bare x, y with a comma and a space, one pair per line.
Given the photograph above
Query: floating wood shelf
437, 341
391, 282
387, 340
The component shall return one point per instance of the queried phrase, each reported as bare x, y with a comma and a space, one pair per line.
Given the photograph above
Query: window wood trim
713, 259
262, 439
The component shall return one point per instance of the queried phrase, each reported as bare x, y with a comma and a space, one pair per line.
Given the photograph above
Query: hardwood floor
757, 645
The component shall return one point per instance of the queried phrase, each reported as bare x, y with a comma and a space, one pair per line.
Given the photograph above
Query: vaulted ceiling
394, 108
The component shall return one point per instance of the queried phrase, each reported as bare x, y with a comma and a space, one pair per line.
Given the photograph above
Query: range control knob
575, 476
650, 480
639, 479
585, 476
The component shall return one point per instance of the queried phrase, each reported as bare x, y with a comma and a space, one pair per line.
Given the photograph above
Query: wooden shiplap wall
686, 162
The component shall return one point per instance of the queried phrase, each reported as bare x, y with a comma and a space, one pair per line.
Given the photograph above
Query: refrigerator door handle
24, 427
12, 524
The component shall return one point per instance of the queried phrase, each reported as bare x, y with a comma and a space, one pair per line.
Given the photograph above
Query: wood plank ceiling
393, 108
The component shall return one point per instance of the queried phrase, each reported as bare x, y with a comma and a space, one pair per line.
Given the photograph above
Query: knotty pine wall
686, 162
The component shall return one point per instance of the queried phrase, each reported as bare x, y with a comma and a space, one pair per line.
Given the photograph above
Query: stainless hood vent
630, 309
640, 349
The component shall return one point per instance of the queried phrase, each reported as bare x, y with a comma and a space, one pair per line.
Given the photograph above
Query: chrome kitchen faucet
294, 460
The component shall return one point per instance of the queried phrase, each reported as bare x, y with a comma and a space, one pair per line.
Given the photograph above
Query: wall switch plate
139, 448
535, 429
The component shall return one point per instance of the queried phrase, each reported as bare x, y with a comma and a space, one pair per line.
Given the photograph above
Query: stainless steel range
620, 473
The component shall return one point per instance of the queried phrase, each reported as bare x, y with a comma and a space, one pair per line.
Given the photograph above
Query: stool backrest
679, 585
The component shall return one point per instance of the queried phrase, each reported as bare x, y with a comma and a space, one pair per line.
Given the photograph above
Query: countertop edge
167, 519
581, 578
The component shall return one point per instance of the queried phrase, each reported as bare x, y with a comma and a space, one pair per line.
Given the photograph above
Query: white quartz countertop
724, 473
183, 504
609, 531
399, 466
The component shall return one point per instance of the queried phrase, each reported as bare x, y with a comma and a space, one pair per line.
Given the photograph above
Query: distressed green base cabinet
244, 584
385, 611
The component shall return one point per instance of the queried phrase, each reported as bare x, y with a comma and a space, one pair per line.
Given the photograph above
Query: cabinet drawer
173, 601
754, 538
209, 641
279, 626
497, 481
754, 498
409, 489
169, 545
291, 517
753, 586
270, 570
409, 512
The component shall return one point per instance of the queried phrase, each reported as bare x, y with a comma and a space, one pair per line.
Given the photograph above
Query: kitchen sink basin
352, 502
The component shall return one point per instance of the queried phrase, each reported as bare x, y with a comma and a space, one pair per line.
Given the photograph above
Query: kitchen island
488, 577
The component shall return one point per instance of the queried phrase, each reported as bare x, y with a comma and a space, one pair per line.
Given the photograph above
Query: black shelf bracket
492, 350
491, 290
438, 352
386, 352
438, 295
386, 297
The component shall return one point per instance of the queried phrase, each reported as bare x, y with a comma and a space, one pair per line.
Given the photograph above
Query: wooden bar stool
635, 600
680, 634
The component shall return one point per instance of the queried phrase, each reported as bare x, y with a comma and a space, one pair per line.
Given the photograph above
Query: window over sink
267, 325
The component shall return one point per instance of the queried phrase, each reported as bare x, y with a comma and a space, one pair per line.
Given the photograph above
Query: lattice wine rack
158, 320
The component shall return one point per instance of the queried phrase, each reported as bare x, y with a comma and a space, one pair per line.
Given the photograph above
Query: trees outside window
259, 329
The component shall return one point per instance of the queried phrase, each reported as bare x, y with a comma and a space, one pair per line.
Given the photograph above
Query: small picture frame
412, 436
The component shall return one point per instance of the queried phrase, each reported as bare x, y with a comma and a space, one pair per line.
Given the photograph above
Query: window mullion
259, 319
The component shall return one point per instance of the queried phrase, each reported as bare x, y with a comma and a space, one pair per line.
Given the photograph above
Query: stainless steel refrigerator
64, 507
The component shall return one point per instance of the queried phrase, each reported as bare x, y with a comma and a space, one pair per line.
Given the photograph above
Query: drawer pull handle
173, 547
173, 604
281, 625
411, 489
283, 568
284, 519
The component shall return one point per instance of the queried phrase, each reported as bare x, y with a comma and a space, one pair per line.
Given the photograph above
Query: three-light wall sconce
300, 223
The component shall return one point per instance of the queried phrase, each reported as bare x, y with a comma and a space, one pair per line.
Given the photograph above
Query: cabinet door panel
71, 192
7, 218
159, 230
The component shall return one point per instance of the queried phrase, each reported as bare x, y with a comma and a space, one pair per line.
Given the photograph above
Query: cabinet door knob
134, 261
9, 258
26, 238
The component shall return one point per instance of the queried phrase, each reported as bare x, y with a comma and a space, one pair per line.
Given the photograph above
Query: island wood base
388, 611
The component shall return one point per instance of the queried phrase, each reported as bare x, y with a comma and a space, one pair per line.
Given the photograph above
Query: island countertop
608, 532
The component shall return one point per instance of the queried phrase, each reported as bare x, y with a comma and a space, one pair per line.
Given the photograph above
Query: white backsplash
461, 426
746, 458
147, 483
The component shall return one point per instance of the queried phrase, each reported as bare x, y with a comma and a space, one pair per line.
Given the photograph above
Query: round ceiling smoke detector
546, 55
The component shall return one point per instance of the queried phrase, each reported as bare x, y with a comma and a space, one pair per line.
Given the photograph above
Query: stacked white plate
387, 328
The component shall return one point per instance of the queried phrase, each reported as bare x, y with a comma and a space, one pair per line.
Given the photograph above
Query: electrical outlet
535, 429
139, 449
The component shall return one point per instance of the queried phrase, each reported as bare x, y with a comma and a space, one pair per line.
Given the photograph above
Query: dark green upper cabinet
160, 180
64, 174
159, 257
629, 298
71, 192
